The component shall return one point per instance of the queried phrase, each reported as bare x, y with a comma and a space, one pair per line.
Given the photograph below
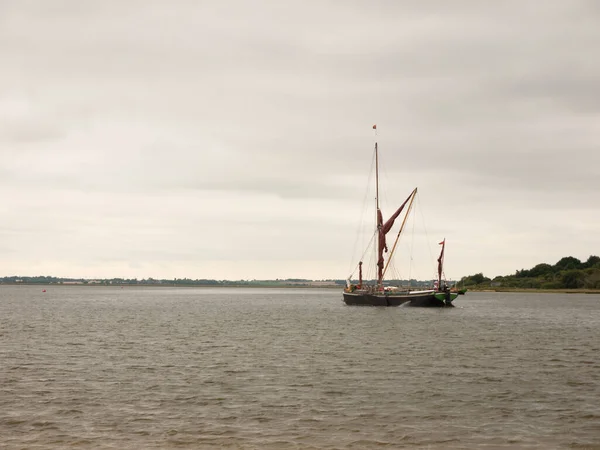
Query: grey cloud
131, 105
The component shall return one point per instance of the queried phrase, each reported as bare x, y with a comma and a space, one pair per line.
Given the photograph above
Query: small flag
442, 243
374, 127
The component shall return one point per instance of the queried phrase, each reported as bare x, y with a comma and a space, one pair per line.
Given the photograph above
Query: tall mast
378, 214
377, 211
383, 227
376, 177
376, 170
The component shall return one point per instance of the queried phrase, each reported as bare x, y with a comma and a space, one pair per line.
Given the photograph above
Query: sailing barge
376, 294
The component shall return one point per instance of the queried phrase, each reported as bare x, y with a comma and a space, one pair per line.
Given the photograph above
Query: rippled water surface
99, 367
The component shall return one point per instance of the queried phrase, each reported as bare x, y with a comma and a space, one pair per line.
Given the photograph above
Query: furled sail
440, 261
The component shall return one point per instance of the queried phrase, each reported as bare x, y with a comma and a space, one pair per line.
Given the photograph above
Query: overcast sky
233, 139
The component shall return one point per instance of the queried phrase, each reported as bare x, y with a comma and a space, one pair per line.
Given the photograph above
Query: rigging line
412, 246
384, 198
406, 216
372, 275
361, 224
368, 265
396, 273
372, 268
364, 253
432, 258
374, 258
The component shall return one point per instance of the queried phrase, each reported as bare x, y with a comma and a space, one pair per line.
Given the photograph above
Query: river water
137, 368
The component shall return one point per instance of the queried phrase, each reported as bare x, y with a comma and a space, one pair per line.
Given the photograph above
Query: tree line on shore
568, 273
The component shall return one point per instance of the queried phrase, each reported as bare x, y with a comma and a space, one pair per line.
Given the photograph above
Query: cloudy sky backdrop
233, 139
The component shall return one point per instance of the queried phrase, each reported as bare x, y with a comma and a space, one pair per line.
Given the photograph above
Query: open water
138, 368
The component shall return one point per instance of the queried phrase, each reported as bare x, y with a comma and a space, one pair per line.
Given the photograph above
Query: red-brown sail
384, 228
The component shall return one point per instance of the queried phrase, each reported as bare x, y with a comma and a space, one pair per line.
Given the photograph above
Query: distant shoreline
166, 285
297, 286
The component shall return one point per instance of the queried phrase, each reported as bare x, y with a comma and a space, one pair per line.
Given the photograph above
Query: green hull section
441, 296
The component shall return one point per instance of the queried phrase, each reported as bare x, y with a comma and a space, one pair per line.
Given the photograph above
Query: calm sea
138, 368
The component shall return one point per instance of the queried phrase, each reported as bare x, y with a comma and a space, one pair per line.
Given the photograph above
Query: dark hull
426, 299
432, 302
